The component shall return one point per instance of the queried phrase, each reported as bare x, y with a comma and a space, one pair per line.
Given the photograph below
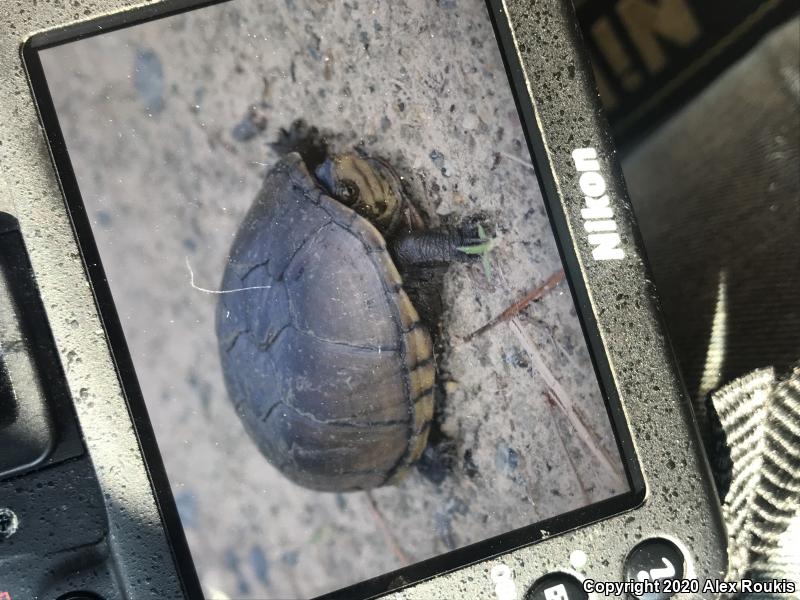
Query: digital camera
339, 300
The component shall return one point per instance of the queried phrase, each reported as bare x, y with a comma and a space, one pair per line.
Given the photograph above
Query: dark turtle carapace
325, 356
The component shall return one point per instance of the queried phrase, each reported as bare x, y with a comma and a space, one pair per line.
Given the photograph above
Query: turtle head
367, 185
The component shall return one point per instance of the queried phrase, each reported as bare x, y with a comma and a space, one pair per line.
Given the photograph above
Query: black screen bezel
568, 251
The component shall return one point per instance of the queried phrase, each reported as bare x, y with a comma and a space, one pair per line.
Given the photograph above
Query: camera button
557, 586
655, 560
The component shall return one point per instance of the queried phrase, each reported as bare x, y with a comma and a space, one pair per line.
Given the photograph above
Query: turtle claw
473, 240
437, 461
476, 246
306, 140
466, 243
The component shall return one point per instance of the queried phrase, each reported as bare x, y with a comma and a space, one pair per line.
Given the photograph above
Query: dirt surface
168, 126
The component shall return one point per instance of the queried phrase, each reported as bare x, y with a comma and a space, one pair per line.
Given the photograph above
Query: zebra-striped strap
757, 466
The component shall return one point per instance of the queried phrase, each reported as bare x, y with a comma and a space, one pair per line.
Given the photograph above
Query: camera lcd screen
331, 259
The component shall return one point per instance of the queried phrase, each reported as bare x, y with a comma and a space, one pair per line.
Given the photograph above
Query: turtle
325, 356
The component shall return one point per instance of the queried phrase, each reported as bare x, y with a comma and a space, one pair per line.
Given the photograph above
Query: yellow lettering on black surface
620, 61
648, 23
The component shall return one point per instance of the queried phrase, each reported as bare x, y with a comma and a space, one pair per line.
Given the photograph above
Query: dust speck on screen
331, 260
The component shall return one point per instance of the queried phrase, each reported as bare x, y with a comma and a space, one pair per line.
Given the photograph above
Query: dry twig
563, 402
552, 405
521, 304
388, 535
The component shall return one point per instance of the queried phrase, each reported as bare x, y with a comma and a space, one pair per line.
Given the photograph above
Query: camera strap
754, 449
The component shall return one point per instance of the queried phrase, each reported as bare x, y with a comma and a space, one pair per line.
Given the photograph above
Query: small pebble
148, 80
244, 130
250, 126
290, 558
259, 563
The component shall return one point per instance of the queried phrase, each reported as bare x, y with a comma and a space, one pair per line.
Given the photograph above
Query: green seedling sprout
481, 250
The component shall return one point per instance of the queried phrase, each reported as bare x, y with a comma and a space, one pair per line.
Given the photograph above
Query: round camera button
557, 586
652, 563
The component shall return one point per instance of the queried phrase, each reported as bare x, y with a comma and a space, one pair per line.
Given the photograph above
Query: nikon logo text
598, 216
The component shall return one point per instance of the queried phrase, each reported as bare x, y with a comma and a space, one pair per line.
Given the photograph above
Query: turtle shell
324, 355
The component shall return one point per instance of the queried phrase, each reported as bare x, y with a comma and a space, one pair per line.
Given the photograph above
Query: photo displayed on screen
329, 254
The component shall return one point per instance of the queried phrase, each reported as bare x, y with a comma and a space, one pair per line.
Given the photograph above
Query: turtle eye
348, 192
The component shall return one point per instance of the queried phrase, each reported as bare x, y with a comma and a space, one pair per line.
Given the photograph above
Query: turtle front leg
422, 257
435, 247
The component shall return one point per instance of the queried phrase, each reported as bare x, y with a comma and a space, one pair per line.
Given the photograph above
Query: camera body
117, 526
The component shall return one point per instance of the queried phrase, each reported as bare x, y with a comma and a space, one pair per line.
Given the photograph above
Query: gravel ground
168, 126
